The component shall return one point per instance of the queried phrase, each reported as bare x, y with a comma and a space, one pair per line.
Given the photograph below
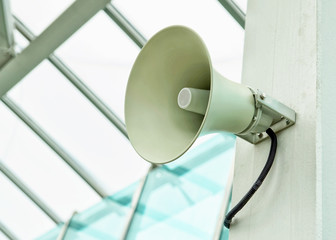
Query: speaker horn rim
208, 58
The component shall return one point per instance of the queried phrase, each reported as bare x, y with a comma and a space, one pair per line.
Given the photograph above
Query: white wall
280, 57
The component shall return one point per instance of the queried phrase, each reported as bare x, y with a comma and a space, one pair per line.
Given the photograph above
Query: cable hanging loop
257, 184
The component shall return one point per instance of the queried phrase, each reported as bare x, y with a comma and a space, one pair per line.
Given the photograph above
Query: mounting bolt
287, 122
254, 118
260, 135
263, 96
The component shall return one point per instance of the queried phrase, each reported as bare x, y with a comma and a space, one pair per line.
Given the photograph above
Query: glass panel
225, 234
102, 56
78, 126
38, 14
181, 200
220, 32
20, 215
104, 220
40, 168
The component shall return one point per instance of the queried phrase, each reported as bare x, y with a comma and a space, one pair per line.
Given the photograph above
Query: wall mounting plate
267, 109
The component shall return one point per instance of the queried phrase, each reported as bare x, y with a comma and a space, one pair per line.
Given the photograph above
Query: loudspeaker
174, 95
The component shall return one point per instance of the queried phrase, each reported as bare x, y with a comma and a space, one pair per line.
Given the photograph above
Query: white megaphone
174, 95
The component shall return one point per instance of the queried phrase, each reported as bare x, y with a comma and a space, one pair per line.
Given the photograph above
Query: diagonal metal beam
7, 232
135, 202
72, 163
76, 81
65, 228
51, 38
125, 25
31, 195
88, 93
234, 10
6, 25
6, 32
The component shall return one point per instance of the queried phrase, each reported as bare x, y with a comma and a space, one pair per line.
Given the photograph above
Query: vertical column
280, 58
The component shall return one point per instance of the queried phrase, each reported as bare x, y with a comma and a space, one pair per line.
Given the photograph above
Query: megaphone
174, 95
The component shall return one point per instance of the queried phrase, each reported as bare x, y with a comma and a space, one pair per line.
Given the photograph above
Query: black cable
257, 184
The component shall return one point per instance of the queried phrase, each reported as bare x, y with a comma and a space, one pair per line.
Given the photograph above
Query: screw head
260, 135
287, 122
263, 96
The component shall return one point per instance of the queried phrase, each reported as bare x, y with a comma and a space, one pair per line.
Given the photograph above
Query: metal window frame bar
76, 81
125, 25
234, 11
7, 232
52, 37
65, 227
68, 159
135, 202
6, 25
29, 193
6, 32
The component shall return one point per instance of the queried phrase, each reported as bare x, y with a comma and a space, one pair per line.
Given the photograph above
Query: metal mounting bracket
269, 113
